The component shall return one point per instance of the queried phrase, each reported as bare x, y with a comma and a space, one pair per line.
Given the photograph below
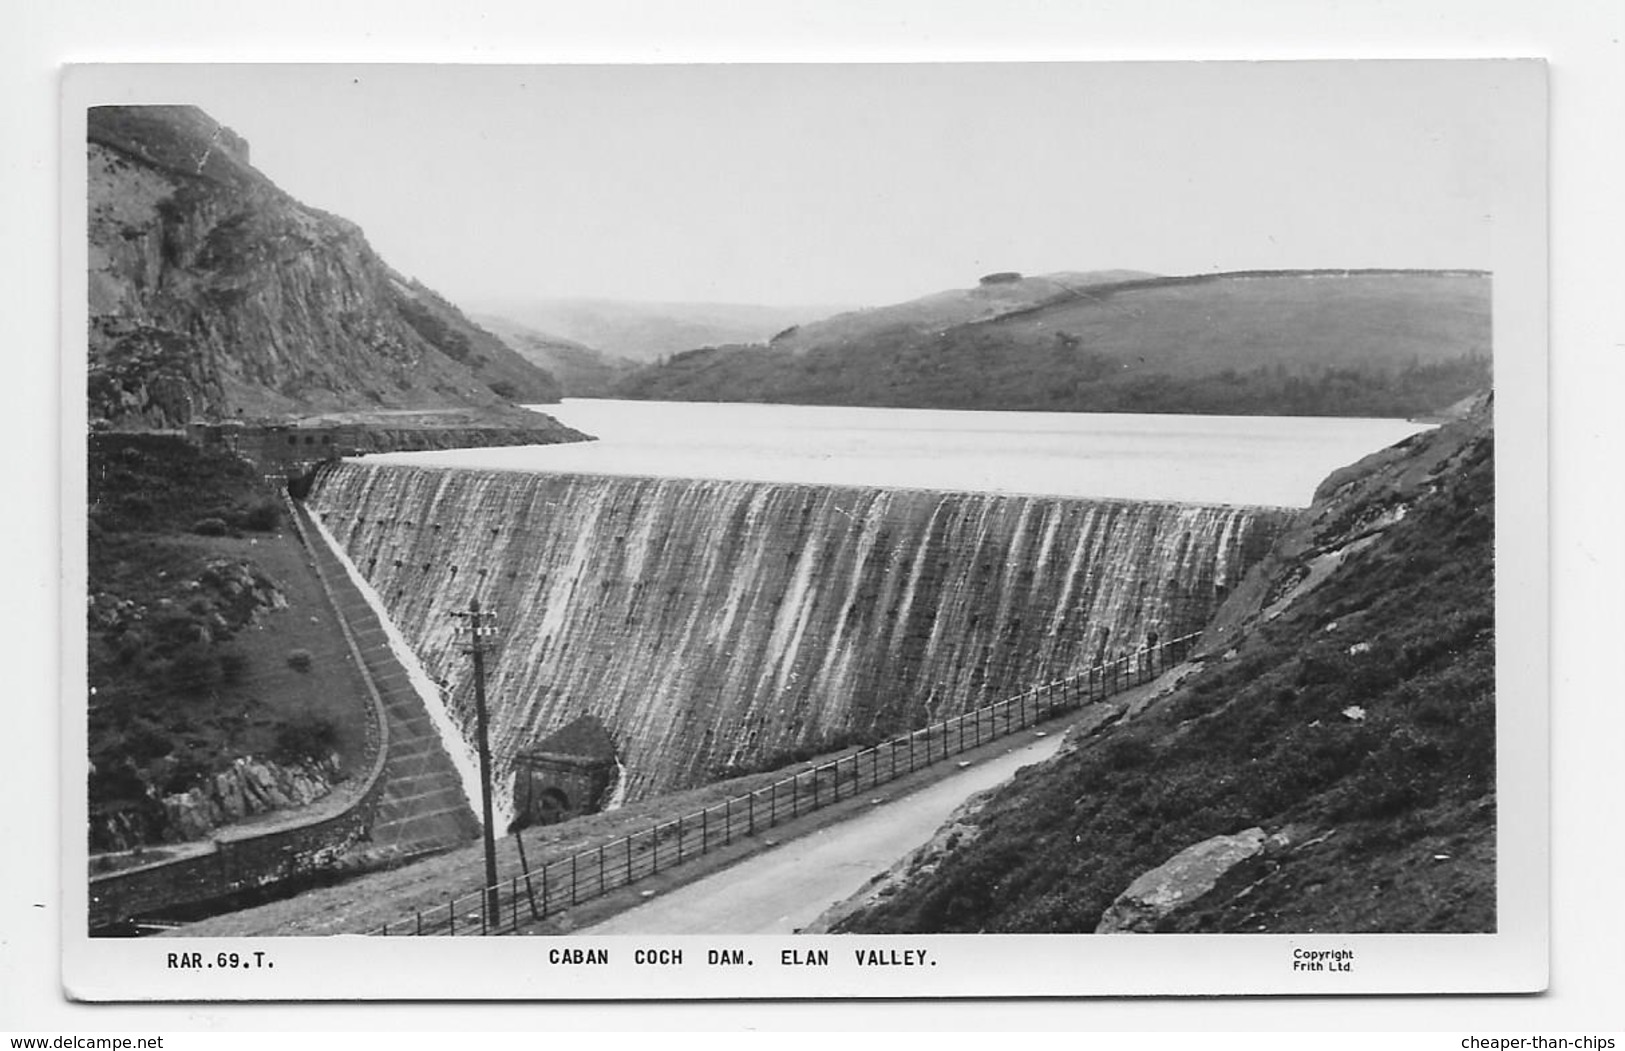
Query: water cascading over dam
716, 626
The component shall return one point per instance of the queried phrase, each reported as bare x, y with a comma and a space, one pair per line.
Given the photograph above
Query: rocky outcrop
225, 597
213, 294
248, 787
1354, 508
1180, 881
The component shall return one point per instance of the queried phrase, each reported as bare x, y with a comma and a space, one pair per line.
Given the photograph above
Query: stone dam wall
718, 626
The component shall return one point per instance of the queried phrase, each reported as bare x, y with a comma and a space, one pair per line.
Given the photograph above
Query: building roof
584, 738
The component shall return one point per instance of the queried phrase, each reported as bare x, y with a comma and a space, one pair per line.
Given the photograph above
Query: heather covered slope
213, 294
1306, 343
1346, 712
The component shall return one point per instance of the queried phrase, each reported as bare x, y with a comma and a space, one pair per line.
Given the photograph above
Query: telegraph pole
480, 628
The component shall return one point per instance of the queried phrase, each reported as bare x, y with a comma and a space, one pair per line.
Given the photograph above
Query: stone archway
565, 775
550, 807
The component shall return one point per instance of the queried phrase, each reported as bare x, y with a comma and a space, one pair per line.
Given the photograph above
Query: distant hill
646, 332
581, 371
214, 294
994, 295
1356, 343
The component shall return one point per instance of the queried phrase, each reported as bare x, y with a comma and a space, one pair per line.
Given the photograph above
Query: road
786, 888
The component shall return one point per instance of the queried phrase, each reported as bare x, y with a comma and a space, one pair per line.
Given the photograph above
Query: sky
862, 185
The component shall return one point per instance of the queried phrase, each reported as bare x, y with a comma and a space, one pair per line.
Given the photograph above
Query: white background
1583, 42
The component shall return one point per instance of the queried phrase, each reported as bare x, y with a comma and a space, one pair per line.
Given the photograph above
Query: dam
717, 626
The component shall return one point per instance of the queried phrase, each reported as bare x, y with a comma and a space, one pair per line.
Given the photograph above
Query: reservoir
1248, 460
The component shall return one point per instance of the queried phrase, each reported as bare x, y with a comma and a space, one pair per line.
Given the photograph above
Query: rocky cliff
1328, 766
214, 294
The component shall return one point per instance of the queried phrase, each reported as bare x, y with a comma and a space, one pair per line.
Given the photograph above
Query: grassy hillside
995, 295
1364, 344
208, 636
1355, 720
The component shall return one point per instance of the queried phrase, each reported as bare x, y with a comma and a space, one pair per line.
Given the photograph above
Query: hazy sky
869, 184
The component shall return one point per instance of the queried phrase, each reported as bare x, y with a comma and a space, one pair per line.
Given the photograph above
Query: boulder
1178, 882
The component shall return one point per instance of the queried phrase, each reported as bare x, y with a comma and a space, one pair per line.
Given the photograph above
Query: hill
1329, 765
581, 371
211, 657
214, 294
994, 296
1352, 343
646, 332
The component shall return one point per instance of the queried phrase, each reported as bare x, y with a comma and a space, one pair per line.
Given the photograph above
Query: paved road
786, 888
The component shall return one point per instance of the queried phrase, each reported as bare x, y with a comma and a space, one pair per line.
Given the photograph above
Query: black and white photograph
805, 530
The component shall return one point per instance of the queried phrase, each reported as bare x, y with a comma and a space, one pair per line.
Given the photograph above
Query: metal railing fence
564, 882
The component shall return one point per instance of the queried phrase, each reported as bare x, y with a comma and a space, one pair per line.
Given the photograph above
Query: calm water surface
1200, 459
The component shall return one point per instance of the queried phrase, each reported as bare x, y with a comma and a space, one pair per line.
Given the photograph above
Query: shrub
263, 517
233, 666
194, 670
1127, 753
144, 743
309, 738
184, 771
210, 527
299, 660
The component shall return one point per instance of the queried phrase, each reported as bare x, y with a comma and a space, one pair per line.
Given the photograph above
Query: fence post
419, 929
815, 787
451, 915
513, 901
654, 849
679, 839
573, 879
728, 821
485, 902
628, 861
545, 899
705, 832
601, 880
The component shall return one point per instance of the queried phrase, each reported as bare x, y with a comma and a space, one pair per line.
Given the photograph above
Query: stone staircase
423, 806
